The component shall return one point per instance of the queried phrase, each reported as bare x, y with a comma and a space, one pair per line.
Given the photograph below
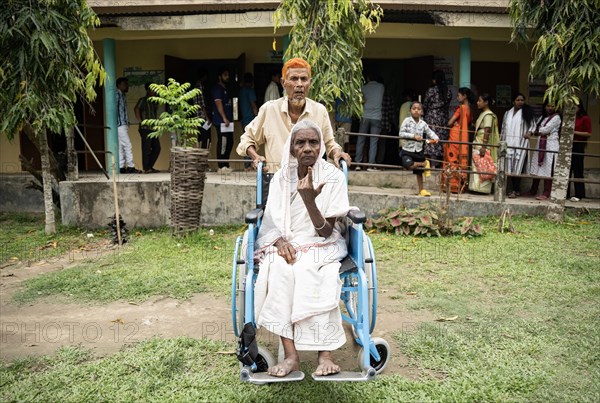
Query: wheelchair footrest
346, 376
262, 378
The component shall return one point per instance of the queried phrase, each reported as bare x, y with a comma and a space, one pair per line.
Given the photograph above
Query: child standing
412, 132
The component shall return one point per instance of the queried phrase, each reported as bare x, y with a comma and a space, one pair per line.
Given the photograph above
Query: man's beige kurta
273, 125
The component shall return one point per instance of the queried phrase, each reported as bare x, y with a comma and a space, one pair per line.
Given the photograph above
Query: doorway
500, 80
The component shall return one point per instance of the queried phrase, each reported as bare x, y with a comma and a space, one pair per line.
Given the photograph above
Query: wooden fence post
500, 188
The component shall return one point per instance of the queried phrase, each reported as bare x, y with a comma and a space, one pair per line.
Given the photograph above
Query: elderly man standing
299, 248
275, 119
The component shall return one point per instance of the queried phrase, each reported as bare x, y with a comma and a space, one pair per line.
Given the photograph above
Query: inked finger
319, 188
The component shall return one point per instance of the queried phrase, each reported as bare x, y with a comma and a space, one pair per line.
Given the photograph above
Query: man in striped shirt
125, 152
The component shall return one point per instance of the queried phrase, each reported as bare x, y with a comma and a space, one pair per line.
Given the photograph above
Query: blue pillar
110, 104
465, 63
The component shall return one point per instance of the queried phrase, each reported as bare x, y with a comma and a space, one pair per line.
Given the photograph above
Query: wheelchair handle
259, 174
344, 166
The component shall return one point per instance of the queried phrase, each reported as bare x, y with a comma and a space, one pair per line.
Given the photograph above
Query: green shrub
425, 220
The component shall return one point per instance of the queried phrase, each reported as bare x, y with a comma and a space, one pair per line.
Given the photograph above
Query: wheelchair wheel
264, 360
370, 281
240, 295
383, 348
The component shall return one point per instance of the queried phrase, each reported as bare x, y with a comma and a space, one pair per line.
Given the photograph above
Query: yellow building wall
480, 51
149, 55
9, 155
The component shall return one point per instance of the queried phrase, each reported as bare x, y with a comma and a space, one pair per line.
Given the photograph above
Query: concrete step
144, 200
398, 179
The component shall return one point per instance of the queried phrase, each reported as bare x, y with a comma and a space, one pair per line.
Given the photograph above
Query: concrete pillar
465, 63
110, 104
286, 45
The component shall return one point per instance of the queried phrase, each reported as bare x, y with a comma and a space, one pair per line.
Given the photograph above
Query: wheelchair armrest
253, 215
357, 216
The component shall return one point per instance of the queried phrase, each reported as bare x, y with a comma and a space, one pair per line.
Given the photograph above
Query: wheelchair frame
359, 293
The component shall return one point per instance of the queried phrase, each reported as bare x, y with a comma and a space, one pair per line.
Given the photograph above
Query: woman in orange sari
456, 156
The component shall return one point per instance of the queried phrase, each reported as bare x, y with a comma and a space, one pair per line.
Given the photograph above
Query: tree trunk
47, 179
560, 182
72, 171
53, 167
38, 181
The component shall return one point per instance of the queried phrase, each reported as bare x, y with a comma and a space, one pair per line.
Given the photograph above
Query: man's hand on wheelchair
258, 160
286, 251
338, 154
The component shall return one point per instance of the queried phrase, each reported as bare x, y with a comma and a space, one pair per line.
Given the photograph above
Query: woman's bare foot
326, 364
285, 367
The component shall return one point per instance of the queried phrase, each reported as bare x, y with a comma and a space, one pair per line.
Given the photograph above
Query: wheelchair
358, 274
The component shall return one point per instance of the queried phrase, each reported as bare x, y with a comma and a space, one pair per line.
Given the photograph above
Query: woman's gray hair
304, 125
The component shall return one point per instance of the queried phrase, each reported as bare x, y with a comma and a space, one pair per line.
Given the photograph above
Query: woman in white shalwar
517, 125
299, 247
543, 162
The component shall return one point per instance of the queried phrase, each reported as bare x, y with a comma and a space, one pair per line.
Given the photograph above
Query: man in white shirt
371, 121
272, 93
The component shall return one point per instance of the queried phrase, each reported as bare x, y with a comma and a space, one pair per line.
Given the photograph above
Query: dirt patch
41, 327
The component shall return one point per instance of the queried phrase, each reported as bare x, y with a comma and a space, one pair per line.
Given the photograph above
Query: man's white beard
297, 102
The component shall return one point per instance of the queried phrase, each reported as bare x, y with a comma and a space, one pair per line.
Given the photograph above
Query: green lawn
527, 310
153, 263
22, 238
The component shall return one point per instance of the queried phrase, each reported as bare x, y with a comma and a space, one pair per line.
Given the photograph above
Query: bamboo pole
117, 214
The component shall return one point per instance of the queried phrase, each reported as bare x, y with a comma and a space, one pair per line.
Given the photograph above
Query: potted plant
188, 162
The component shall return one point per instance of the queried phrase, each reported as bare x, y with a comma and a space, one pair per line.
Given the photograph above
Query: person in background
223, 119
486, 134
408, 96
203, 112
144, 109
436, 102
414, 131
388, 127
125, 150
542, 163
342, 121
273, 92
583, 130
248, 108
517, 122
370, 123
456, 156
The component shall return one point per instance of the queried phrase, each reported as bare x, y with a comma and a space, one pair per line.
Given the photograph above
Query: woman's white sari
513, 129
300, 301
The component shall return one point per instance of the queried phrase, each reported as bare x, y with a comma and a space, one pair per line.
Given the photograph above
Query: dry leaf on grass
49, 244
448, 319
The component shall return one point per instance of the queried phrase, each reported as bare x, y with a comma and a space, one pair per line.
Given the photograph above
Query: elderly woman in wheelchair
299, 246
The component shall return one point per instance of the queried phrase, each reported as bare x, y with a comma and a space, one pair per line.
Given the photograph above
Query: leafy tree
179, 119
330, 35
567, 55
48, 61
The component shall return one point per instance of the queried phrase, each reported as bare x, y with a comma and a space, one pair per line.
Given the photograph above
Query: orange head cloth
295, 63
